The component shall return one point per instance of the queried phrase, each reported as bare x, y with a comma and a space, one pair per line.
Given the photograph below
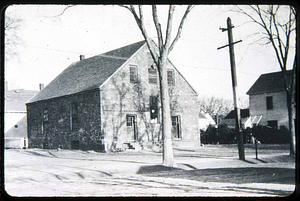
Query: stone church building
111, 101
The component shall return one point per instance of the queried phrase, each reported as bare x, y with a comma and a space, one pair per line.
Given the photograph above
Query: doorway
176, 131
131, 127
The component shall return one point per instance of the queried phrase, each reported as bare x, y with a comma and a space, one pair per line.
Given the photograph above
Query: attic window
171, 77
133, 74
152, 76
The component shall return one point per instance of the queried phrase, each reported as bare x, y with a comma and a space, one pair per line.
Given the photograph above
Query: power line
220, 69
188, 66
57, 50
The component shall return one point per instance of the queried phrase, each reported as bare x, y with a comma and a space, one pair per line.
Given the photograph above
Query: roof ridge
275, 72
113, 57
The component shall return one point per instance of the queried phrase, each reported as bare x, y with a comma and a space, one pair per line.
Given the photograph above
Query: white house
205, 120
267, 98
15, 116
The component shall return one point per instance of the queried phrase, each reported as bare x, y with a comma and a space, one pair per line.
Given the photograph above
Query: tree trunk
168, 159
289, 96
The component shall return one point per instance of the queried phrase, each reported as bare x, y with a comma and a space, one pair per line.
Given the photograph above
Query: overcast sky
51, 43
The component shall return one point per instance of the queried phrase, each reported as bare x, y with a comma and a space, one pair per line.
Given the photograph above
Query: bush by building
225, 135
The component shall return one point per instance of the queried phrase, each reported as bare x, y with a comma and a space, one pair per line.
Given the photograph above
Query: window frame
152, 75
129, 120
74, 117
133, 74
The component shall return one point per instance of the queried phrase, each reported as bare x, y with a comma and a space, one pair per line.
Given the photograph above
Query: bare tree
160, 58
11, 26
278, 24
214, 106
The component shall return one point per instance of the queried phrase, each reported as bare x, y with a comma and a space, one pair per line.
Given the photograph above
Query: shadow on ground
148, 169
227, 175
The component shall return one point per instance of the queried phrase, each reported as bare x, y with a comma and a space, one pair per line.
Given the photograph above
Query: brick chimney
82, 57
41, 85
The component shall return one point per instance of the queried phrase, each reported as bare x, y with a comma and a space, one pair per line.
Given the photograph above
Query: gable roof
15, 99
243, 112
87, 74
269, 82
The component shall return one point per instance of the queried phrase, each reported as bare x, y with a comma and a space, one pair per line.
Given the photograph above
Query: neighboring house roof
210, 119
270, 82
204, 120
244, 113
202, 115
20, 130
15, 99
87, 74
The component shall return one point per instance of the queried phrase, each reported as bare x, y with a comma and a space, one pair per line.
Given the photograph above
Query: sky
51, 42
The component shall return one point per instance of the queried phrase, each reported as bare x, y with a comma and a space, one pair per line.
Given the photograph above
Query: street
38, 172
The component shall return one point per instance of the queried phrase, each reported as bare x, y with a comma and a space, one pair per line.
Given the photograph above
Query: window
74, 116
273, 124
129, 121
171, 77
269, 100
152, 76
133, 74
153, 102
45, 115
174, 120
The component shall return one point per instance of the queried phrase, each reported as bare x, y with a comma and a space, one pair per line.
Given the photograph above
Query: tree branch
189, 8
169, 26
279, 41
157, 27
141, 25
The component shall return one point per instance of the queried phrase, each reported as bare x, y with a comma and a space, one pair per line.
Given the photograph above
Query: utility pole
239, 134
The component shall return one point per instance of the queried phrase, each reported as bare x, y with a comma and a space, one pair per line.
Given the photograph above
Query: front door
176, 127
131, 127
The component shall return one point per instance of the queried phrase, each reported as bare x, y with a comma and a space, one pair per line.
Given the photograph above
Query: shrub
225, 135
268, 135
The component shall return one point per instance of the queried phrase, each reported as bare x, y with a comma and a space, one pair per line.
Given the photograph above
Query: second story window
269, 101
133, 73
171, 77
152, 76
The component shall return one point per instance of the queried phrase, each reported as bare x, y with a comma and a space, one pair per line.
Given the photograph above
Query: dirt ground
212, 170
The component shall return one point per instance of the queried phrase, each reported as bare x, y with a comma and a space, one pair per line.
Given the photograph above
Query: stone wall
57, 131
